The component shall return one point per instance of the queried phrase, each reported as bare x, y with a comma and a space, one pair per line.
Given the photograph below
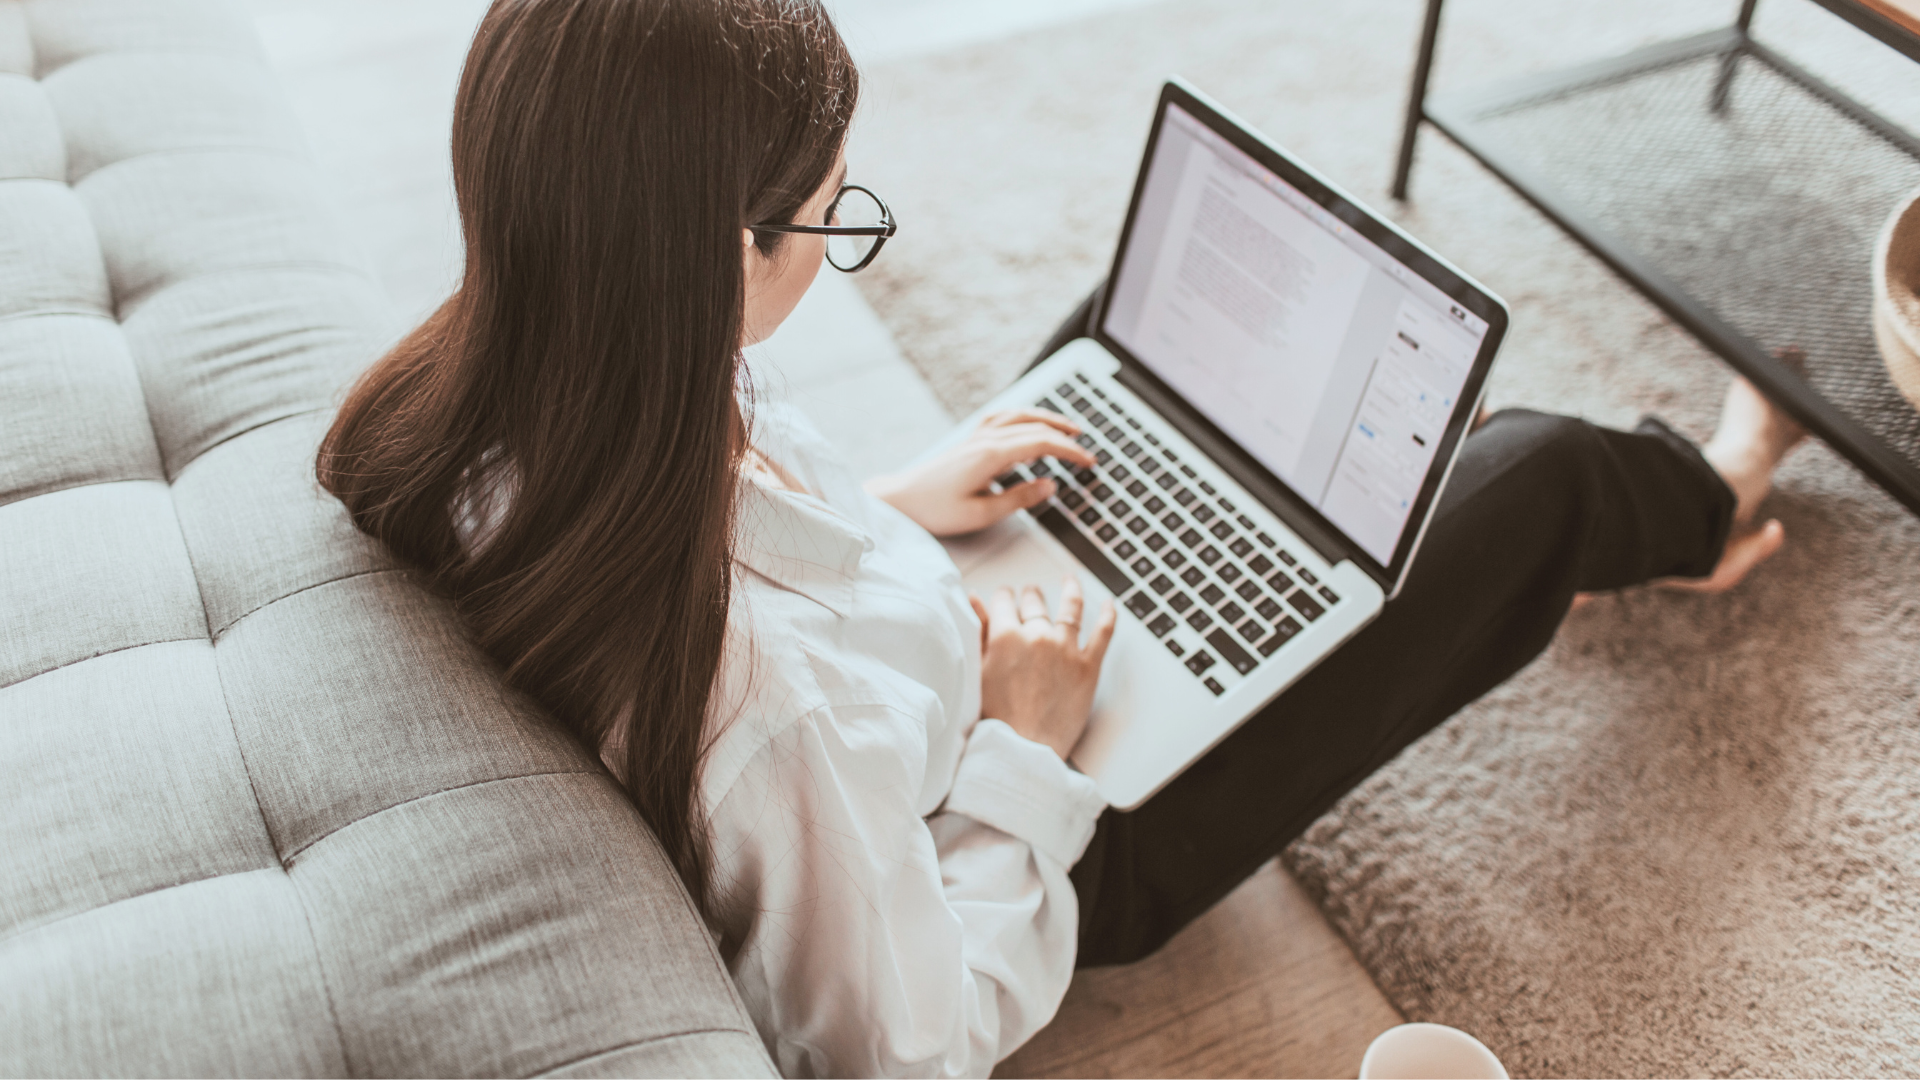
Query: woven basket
1896, 297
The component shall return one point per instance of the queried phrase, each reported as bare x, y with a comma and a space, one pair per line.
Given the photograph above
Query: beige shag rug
1687, 839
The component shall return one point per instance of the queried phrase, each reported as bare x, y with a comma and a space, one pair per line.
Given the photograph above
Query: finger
980, 511
1010, 417
1005, 615
980, 612
1033, 603
1102, 635
1072, 603
1018, 445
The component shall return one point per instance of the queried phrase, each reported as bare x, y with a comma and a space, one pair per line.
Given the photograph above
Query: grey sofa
263, 809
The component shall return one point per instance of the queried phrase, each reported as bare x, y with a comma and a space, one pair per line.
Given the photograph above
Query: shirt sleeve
871, 942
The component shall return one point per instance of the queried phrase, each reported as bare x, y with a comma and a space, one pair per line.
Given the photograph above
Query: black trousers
1539, 507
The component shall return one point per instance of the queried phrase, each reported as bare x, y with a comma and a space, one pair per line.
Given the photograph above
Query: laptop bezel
1313, 527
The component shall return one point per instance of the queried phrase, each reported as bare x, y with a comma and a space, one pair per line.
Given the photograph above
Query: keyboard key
1225, 505
1162, 623
1083, 549
1208, 488
1139, 525
1131, 422
1287, 557
1268, 608
1265, 539
1119, 474
1115, 432
1065, 389
1119, 509
1187, 470
1140, 604
1132, 449
1155, 505
1230, 651
1170, 455
1200, 662
1047, 404
1136, 489
1212, 594
1176, 648
1228, 572
1097, 392
1240, 546
1084, 439
1250, 630
1124, 549
1306, 575
1173, 522
1073, 499
1281, 634
1153, 440
1143, 566
1184, 497
1213, 684
1280, 582
1221, 529
1156, 542
1193, 575
1101, 457
1085, 477
1149, 465
1010, 479
1097, 419
1161, 583
1329, 595
1305, 605
1089, 516
1174, 558
1202, 513
1082, 406
1249, 590
1167, 479
1199, 620
1208, 554
1233, 613
1107, 532
1245, 522
1040, 468
1180, 601
1101, 492
1259, 565
1192, 538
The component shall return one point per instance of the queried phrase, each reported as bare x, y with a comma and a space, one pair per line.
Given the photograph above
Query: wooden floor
1259, 986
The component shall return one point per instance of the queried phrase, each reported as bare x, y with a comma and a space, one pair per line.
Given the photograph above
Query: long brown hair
577, 393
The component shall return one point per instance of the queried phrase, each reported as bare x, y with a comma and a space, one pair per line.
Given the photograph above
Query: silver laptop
1276, 386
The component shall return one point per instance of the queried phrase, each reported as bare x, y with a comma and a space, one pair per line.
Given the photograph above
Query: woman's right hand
1035, 675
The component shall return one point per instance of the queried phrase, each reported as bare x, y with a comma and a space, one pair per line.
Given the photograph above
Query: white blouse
890, 869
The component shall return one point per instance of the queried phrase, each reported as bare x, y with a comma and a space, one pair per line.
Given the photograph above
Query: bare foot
1754, 435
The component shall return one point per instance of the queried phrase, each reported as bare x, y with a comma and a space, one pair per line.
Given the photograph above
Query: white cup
1429, 1052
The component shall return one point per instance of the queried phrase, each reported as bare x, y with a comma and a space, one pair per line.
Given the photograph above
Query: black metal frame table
1738, 192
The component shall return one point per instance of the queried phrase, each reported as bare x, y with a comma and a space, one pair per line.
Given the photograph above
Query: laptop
1276, 386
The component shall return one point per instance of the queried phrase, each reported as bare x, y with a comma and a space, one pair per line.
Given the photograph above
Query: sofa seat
263, 808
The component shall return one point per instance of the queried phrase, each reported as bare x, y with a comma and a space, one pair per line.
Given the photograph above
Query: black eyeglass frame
887, 227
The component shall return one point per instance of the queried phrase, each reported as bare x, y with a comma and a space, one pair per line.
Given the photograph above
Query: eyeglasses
858, 223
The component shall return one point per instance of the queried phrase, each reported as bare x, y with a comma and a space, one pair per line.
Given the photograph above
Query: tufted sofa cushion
263, 808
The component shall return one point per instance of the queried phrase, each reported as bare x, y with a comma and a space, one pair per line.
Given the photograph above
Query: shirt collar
799, 543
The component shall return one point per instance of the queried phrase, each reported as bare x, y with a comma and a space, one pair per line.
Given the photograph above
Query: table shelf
1735, 190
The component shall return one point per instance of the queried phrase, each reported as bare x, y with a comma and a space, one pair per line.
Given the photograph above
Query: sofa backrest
263, 809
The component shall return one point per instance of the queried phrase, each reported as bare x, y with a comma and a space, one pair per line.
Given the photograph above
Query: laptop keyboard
1201, 574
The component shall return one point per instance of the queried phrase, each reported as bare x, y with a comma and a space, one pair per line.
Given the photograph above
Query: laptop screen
1327, 359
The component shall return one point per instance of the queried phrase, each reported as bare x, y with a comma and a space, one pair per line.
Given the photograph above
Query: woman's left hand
949, 495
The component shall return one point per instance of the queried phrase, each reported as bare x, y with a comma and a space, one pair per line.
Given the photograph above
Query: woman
857, 769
